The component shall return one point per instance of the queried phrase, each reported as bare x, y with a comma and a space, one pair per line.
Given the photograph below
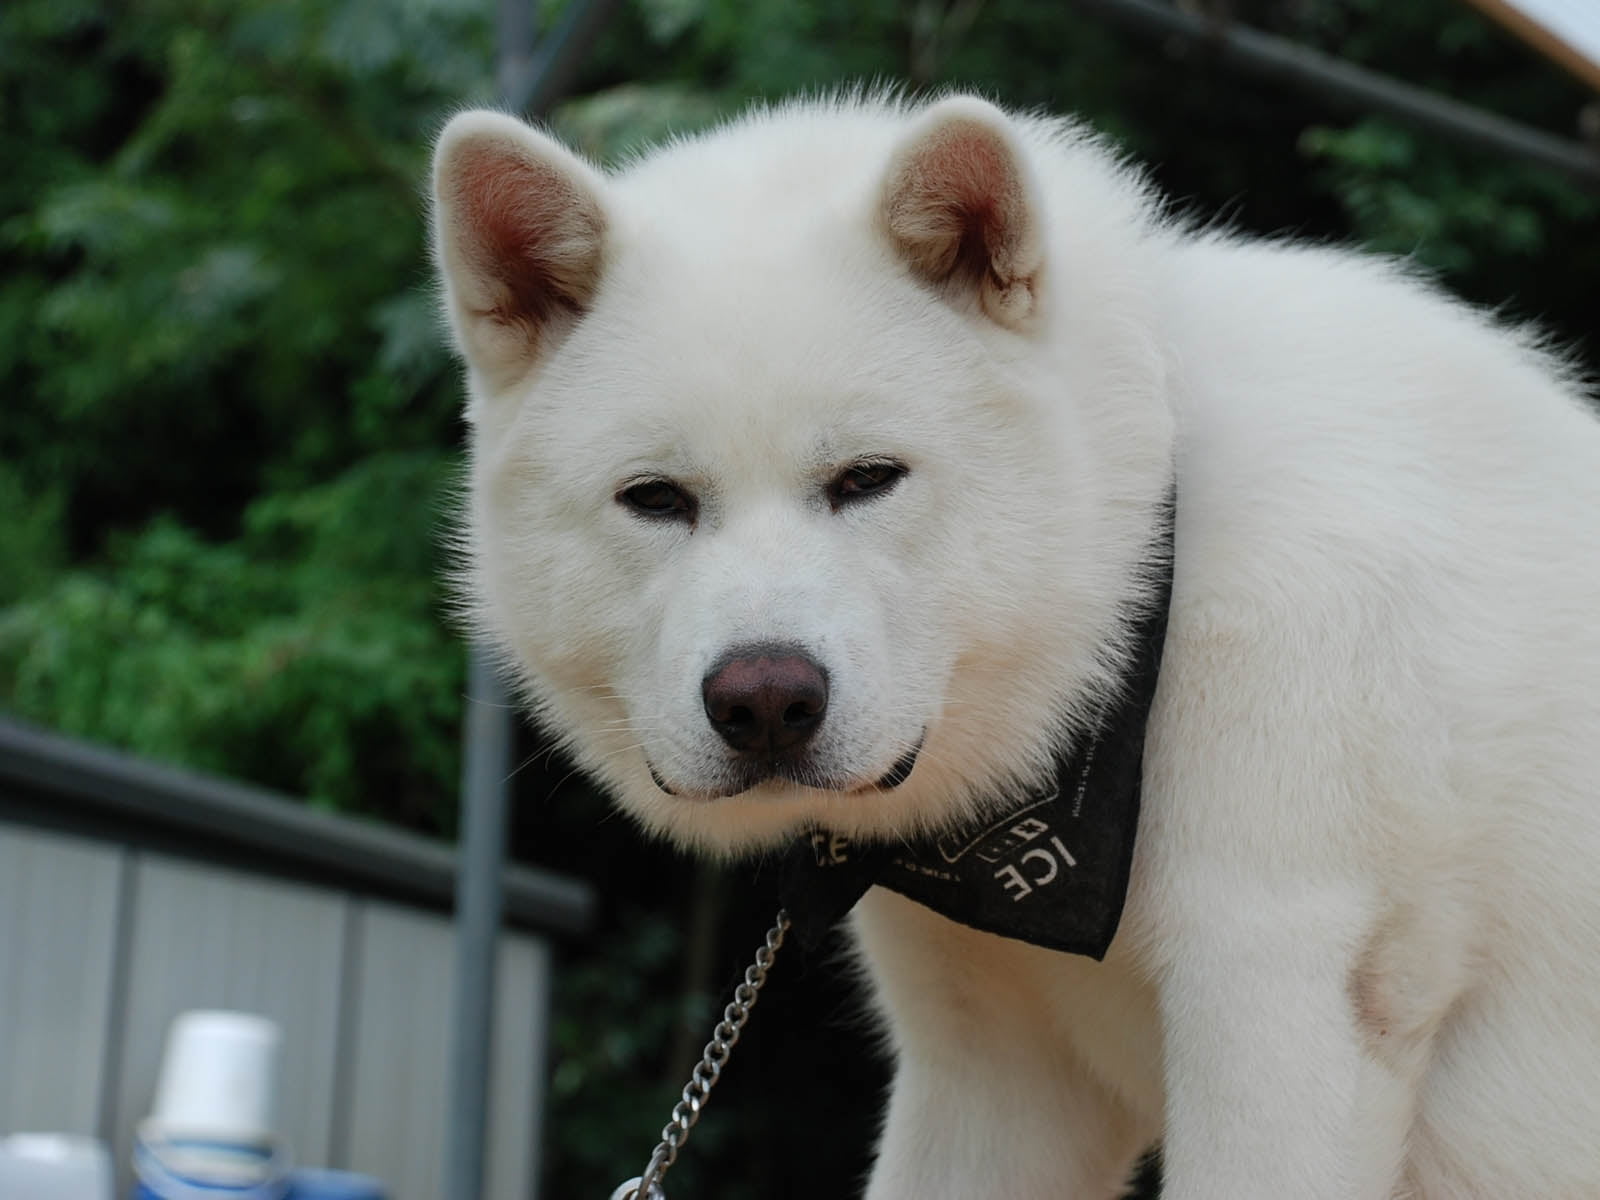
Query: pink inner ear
959, 210
981, 177
527, 228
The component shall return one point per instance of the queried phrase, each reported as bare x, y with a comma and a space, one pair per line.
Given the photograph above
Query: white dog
820, 472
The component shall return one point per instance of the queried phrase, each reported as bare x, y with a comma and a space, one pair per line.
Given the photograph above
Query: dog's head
811, 460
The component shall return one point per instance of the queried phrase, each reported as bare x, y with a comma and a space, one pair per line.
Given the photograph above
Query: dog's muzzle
755, 776
766, 701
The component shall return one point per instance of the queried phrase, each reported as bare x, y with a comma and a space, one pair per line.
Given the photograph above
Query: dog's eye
863, 480
657, 498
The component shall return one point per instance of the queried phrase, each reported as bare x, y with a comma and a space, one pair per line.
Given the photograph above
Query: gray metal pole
532, 83
485, 786
528, 77
487, 734
516, 47
1344, 83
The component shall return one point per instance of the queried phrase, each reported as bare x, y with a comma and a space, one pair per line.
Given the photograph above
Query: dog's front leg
996, 1093
1003, 1127
1271, 1094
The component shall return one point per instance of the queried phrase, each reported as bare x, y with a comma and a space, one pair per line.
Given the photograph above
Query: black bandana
1054, 870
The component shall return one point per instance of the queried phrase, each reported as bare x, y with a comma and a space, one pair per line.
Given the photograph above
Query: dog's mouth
901, 771
753, 775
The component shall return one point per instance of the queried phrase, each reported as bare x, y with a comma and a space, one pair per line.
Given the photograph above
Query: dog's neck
1053, 868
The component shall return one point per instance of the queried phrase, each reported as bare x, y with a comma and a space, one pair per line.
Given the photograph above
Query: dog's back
1389, 566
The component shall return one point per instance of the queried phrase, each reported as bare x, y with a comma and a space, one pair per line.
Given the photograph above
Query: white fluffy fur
1361, 954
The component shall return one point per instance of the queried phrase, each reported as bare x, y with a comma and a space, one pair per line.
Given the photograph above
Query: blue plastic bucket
170, 1166
320, 1183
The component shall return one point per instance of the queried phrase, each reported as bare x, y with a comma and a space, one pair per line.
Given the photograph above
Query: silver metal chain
708, 1070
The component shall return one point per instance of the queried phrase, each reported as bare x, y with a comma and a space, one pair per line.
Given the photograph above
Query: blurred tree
228, 412
229, 426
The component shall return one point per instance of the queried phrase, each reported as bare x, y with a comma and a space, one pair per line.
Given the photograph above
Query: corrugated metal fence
129, 893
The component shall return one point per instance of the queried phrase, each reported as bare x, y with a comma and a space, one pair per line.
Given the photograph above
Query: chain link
709, 1069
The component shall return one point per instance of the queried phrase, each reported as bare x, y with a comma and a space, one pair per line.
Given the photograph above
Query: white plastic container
219, 1077
54, 1166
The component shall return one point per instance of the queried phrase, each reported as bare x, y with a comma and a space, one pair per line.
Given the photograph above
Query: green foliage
215, 303
304, 654
30, 536
228, 407
608, 1036
1489, 230
1495, 229
623, 120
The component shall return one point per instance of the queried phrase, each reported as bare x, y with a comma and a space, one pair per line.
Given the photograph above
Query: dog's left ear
958, 206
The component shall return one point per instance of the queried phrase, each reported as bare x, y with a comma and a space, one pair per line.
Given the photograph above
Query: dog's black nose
765, 699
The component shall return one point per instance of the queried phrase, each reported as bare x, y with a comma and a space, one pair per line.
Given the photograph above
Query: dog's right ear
519, 231
959, 207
